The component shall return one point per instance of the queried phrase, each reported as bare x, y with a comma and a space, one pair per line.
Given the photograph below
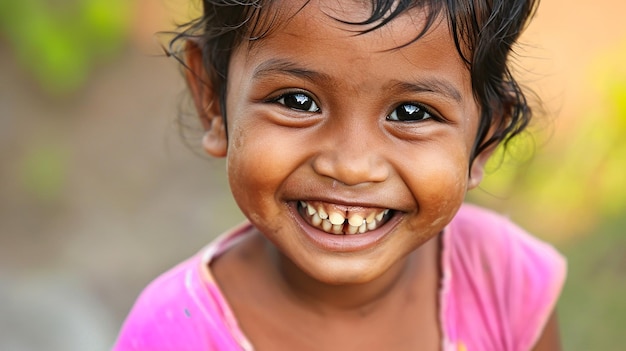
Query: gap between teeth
337, 223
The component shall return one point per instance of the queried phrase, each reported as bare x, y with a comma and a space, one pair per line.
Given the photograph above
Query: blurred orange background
100, 194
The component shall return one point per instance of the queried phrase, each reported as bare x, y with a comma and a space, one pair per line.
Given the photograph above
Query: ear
206, 100
477, 171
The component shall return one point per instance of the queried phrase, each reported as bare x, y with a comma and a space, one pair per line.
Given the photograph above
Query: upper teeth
336, 218
334, 221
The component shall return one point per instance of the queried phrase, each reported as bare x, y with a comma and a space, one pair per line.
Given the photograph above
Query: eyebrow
286, 67
281, 66
431, 85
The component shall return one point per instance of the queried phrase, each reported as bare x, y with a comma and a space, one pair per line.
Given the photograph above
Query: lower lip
344, 242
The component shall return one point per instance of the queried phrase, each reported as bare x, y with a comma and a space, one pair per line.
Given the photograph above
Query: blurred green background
99, 194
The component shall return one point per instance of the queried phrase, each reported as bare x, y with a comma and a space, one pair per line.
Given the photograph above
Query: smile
339, 222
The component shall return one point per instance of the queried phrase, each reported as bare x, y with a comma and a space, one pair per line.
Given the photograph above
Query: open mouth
339, 222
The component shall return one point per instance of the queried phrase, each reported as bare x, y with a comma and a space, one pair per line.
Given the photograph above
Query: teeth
352, 229
355, 220
337, 228
379, 216
322, 213
326, 225
336, 218
371, 226
336, 223
310, 210
363, 228
316, 220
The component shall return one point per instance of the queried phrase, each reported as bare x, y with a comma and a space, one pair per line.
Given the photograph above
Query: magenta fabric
498, 288
500, 285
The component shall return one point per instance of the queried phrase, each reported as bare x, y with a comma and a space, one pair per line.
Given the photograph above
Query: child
353, 130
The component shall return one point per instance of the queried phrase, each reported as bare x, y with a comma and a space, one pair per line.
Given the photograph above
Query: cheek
445, 192
439, 184
259, 162
241, 161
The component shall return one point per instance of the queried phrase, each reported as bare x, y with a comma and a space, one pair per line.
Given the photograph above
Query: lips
342, 220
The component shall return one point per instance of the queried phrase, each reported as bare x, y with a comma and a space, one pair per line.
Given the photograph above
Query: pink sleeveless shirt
498, 288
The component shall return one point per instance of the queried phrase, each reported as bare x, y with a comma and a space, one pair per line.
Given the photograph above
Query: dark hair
484, 32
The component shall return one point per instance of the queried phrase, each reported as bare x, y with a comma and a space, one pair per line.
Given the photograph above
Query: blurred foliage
577, 180
59, 41
592, 309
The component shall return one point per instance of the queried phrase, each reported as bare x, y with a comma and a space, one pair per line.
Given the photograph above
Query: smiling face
344, 151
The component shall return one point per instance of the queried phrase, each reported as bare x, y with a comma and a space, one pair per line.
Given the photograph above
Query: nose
351, 156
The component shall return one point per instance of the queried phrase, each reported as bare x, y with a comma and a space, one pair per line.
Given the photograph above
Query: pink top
498, 288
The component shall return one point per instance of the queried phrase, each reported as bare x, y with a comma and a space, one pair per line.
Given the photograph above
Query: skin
342, 149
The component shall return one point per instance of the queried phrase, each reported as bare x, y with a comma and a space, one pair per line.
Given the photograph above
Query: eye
409, 112
298, 102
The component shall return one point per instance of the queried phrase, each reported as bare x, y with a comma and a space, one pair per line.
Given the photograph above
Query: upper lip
345, 204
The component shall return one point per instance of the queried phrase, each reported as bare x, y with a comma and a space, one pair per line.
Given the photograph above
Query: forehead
354, 17
329, 35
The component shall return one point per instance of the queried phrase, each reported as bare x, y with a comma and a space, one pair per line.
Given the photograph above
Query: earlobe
477, 170
476, 175
214, 141
206, 101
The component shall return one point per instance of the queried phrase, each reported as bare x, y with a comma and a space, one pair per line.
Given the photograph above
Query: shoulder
479, 235
154, 322
512, 278
178, 311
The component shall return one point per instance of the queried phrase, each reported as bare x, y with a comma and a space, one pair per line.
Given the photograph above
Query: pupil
408, 112
299, 101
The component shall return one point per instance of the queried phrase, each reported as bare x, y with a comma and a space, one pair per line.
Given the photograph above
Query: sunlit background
99, 193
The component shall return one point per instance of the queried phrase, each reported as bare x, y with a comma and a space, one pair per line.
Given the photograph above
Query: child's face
352, 127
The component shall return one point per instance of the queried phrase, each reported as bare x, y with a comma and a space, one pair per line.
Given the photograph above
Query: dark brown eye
298, 102
409, 112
